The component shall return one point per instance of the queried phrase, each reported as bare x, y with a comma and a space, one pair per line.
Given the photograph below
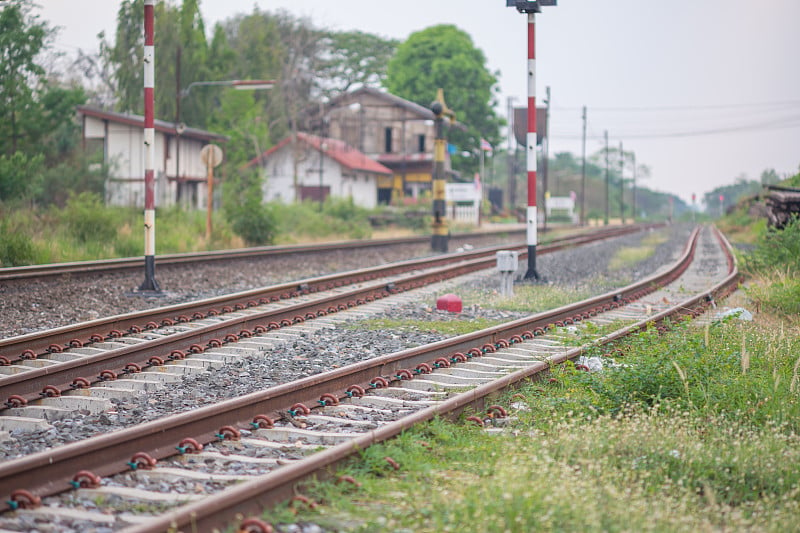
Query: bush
88, 220
344, 209
16, 249
778, 249
20, 176
72, 175
254, 222
296, 221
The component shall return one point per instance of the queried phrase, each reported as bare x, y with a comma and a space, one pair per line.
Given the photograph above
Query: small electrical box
507, 261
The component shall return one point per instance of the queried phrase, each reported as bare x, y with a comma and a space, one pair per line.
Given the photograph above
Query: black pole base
440, 243
150, 284
531, 273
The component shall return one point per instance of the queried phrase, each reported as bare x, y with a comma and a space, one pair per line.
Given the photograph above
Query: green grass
628, 256
699, 430
526, 299
444, 327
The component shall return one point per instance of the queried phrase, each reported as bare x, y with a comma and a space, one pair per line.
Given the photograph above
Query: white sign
461, 192
560, 202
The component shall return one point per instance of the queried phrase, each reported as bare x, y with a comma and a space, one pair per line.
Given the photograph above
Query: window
388, 140
421, 143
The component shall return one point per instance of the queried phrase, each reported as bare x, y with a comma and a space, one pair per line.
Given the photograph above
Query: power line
683, 108
786, 122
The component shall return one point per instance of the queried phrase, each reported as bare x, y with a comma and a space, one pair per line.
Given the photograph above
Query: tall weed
88, 220
777, 249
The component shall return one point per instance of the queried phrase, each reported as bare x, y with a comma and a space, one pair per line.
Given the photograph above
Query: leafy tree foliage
356, 59
22, 37
445, 57
125, 57
38, 136
730, 194
20, 176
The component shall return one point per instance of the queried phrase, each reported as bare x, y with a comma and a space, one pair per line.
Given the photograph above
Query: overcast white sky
702, 91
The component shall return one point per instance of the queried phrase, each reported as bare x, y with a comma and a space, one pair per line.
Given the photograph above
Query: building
181, 177
395, 132
315, 168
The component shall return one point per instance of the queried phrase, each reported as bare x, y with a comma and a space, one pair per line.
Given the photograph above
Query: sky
702, 92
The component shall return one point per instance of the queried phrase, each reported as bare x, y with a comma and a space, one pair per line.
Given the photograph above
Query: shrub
88, 220
777, 249
75, 174
16, 249
20, 176
254, 222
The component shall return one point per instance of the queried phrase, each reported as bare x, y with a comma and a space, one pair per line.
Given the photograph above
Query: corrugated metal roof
159, 125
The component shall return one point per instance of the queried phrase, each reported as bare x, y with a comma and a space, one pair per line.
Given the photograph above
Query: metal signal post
150, 283
531, 8
441, 237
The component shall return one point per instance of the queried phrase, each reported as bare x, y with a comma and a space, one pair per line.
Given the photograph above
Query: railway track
251, 451
142, 349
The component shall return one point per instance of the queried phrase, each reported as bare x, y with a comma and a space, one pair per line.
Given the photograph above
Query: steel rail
33, 345
130, 263
50, 471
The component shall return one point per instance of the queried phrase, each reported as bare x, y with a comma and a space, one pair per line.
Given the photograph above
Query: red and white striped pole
531, 214
150, 283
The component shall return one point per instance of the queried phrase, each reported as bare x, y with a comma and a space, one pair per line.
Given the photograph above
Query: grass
444, 327
698, 429
527, 298
628, 256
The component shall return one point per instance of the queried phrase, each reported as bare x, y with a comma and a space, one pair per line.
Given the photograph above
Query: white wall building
181, 177
315, 168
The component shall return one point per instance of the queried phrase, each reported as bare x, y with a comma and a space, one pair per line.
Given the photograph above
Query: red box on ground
449, 302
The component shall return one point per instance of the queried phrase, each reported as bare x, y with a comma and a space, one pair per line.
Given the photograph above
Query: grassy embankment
697, 430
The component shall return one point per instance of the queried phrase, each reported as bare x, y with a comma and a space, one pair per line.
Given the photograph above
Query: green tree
192, 52
125, 56
20, 176
239, 117
769, 177
355, 59
445, 57
180, 58
221, 57
730, 194
22, 37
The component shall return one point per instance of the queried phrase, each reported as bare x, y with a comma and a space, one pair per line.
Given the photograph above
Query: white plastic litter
737, 312
594, 364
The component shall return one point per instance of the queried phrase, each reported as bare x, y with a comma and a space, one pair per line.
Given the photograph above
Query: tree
125, 56
22, 37
354, 59
280, 47
730, 194
191, 60
769, 177
445, 57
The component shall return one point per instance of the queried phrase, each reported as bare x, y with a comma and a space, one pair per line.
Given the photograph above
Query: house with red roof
314, 168
394, 131
181, 177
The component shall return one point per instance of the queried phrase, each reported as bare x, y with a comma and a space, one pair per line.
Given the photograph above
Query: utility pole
605, 134
546, 153
150, 284
633, 202
512, 157
583, 172
621, 183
